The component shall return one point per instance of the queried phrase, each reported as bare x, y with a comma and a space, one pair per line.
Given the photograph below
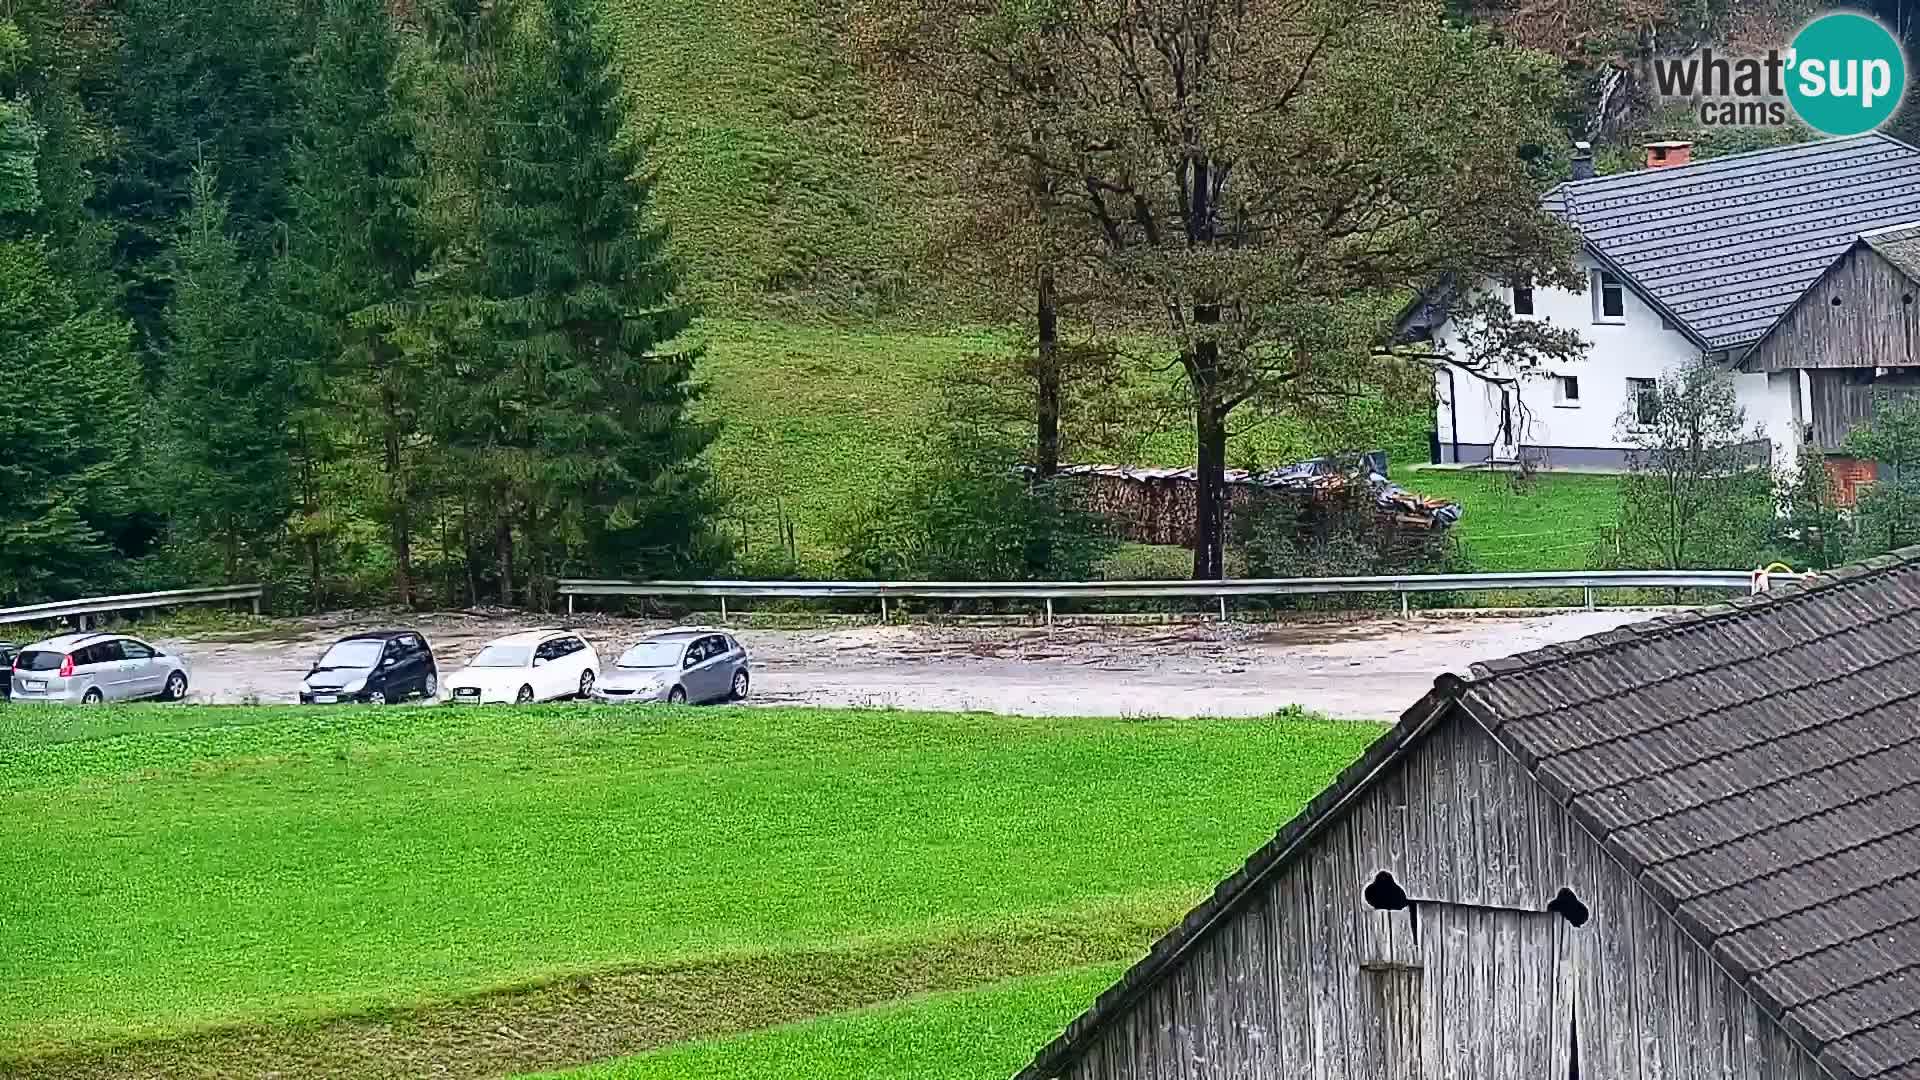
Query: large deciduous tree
1267, 178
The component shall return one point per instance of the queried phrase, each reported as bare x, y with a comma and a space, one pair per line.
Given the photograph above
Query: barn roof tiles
1899, 245
1755, 766
1724, 246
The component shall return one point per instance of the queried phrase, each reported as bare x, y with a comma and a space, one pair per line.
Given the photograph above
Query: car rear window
40, 660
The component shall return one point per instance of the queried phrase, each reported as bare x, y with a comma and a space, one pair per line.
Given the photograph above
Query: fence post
1049, 611
1223, 609
569, 605
1588, 590
1404, 612
883, 609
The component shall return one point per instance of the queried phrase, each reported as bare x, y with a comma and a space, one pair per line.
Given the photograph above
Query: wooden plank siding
1842, 400
1863, 313
1476, 981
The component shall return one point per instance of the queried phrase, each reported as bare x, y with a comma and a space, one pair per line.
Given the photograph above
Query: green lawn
164, 870
1551, 521
986, 1034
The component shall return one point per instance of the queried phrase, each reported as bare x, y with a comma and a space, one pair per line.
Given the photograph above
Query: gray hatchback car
88, 669
682, 665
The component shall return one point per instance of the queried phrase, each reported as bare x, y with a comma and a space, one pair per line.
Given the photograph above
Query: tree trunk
503, 551
536, 555
313, 571
1209, 492
1046, 457
398, 503
1210, 463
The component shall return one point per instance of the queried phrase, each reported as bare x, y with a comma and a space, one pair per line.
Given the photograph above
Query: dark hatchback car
6, 670
374, 668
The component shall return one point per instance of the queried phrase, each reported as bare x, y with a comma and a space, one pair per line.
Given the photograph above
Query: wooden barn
1689, 848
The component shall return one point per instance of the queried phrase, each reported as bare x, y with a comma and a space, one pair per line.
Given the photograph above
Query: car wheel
176, 686
431, 687
93, 696
677, 696
586, 683
378, 697
524, 697
740, 685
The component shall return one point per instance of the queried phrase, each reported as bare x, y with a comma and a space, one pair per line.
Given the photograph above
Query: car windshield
39, 660
502, 656
351, 655
652, 654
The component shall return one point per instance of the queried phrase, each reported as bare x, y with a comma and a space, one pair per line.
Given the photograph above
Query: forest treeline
340, 295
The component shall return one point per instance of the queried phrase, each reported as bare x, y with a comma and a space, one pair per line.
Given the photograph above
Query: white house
1683, 260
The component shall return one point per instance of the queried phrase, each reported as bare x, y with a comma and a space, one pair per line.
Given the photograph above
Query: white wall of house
1579, 417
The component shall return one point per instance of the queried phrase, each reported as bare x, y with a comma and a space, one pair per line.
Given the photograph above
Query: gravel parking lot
1367, 669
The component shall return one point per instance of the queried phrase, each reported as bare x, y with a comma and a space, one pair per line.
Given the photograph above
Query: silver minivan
88, 669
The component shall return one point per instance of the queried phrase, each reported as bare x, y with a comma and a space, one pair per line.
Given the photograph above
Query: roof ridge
1632, 634
1705, 164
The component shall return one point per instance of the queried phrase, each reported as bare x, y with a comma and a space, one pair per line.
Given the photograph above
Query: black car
375, 667
6, 669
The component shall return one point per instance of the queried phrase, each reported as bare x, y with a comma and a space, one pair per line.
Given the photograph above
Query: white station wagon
535, 665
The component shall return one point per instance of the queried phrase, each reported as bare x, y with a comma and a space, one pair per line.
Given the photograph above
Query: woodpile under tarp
1156, 505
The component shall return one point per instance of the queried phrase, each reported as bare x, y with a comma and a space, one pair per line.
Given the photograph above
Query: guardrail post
1049, 611
569, 605
1404, 611
883, 609
256, 604
1223, 609
723, 611
1588, 590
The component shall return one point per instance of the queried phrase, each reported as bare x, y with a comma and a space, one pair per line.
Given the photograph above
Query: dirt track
1357, 669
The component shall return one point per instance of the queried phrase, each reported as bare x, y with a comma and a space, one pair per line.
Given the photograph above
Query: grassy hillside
166, 871
775, 195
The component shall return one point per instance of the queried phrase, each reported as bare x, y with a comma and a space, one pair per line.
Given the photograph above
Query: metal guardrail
1402, 585
84, 610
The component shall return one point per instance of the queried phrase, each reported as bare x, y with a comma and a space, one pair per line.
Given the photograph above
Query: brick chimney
1665, 155
1583, 161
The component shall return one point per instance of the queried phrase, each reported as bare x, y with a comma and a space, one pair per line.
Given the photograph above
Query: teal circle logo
1846, 74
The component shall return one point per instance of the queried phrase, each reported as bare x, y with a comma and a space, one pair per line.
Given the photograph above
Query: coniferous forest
342, 296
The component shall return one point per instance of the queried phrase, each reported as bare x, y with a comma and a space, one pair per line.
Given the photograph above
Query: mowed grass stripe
315, 863
982, 1034
613, 1014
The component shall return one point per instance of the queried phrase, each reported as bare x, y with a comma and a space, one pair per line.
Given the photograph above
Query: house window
1609, 298
1645, 395
1523, 295
1566, 391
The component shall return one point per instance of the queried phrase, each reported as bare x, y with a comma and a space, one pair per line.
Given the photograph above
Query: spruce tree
360, 240
226, 394
565, 377
195, 82
68, 426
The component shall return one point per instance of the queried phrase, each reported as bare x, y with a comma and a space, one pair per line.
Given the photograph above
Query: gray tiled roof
1756, 766
1900, 246
1726, 245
